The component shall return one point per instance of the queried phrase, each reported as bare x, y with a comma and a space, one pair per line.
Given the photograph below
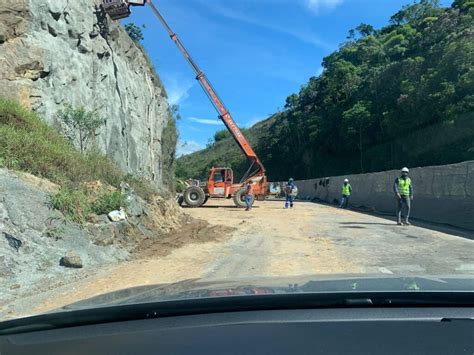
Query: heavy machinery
220, 183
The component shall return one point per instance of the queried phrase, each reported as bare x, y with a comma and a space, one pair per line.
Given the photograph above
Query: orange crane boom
118, 9
223, 112
220, 182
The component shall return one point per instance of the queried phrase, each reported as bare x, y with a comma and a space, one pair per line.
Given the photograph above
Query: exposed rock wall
443, 194
54, 52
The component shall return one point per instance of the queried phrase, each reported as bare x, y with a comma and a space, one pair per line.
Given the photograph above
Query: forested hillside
402, 95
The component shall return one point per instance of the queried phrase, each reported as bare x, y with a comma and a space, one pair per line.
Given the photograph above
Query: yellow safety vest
404, 186
346, 189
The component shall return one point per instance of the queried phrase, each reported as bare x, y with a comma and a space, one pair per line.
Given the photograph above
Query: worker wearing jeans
346, 193
248, 196
289, 189
404, 194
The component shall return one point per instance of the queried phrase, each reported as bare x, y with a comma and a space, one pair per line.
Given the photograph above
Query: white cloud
178, 90
317, 6
207, 121
301, 36
188, 147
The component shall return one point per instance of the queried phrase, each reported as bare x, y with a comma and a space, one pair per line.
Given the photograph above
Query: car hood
200, 288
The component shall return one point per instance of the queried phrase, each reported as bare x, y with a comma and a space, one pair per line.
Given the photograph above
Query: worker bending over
403, 189
346, 193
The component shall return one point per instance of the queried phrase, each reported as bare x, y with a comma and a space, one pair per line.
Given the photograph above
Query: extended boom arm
224, 114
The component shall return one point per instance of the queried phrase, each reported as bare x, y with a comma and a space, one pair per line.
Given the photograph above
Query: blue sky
254, 52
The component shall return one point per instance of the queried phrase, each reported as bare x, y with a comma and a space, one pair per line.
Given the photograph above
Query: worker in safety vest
290, 190
346, 193
403, 189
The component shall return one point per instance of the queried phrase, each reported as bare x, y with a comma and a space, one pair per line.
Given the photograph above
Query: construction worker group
402, 188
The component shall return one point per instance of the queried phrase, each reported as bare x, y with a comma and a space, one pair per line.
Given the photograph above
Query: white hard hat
405, 170
346, 180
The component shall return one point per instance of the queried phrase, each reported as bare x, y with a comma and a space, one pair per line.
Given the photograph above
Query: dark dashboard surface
426, 330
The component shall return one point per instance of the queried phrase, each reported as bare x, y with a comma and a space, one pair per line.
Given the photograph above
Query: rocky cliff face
54, 52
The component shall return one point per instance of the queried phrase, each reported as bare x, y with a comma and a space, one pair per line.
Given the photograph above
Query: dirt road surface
271, 241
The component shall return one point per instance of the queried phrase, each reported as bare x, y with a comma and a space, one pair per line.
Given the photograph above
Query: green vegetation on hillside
80, 125
400, 95
220, 135
222, 152
28, 144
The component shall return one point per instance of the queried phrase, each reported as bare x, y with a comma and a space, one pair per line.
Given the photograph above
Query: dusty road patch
194, 231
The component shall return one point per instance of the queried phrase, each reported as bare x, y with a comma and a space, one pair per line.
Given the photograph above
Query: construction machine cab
118, 9
220, 182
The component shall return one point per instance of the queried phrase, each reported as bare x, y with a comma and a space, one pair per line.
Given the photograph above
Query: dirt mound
193, 231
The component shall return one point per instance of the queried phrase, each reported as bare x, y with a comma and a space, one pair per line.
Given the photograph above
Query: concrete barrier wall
442, 194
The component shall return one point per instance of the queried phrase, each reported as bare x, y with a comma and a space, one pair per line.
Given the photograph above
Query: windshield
155, 151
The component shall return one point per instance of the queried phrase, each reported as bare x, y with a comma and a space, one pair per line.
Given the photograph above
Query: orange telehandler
220, 183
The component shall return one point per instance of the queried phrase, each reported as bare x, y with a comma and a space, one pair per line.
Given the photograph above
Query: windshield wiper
237, 304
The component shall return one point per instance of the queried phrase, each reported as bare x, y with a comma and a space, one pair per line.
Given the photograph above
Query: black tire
180, 200
239, 198
194, 196
205, 199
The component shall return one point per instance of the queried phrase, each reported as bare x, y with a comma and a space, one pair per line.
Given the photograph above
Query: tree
464, 5
80, 124
134, 32
174, 109
291, 101
352, 35
396, 45
413, 13
356, 120
365, 29
210, 143
220, 135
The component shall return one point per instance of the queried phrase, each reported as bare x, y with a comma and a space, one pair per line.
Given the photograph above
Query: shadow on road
368, 223
233, 208
443, 228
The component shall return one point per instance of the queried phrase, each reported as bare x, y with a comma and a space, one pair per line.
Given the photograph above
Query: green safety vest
404, 186
346, 189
